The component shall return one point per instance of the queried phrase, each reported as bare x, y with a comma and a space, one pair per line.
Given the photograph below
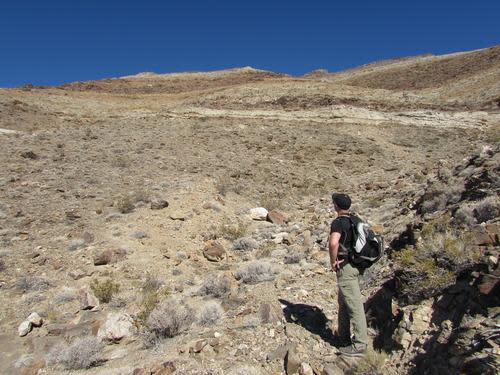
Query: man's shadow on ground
309, 317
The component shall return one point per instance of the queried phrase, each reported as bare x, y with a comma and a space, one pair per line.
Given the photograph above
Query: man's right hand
336, 265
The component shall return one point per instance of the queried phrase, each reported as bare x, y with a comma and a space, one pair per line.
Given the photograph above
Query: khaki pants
351, 310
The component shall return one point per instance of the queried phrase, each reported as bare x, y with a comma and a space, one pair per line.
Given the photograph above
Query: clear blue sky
49, 42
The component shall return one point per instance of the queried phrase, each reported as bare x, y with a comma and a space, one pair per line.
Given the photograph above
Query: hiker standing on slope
351, 309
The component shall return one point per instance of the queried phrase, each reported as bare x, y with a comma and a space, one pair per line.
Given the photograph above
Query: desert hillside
177, 223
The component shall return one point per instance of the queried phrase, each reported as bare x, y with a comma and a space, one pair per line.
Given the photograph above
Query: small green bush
104, 290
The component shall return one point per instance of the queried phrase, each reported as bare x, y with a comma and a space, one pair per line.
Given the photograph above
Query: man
351, 310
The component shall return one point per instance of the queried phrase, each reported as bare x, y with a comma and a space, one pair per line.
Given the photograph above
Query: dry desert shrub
487, 209
82, 353
373, 363
230, 230
465, 216
3, 267
32, 284
104, 290
431, 265
210, 314
256, 272
439, 196
152, 294
215, 286
170, 318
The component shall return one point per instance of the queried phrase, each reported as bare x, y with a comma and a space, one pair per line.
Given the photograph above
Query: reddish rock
109, 256
214, 251
494, 232
277, 217
481, 236
87, 300
34, 368
162, 368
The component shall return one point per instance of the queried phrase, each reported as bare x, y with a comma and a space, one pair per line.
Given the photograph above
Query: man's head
341, 201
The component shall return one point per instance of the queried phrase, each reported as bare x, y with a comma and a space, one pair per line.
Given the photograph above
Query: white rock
116, 327
24, 328
35, 319
280, 237
258, 213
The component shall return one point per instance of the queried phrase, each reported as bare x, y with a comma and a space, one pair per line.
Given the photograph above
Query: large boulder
258, 213
116, 327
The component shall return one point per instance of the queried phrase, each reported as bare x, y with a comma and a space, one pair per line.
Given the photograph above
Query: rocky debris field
181, 229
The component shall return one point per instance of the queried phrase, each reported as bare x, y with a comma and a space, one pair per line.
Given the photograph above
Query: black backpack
367, 247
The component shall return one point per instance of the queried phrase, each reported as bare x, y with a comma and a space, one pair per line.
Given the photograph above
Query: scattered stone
76, 245
305, 369
109, 256
216, 206
245, 243
277, 217
78, 274
158, 204
139, 235
29, 155
270, 313
162, 368
88, 237
281, 237
292, 360
34, 368
258, 213
178, 216
35, 319
278, 353
214, 251
87, 300
24, 328
116, 327
332, 369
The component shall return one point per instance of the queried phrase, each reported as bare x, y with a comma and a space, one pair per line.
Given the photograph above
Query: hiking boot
352, 351
339, 342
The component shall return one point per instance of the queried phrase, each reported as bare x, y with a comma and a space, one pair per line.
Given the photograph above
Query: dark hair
343, 201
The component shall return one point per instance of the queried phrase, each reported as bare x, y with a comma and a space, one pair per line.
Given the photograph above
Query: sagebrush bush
433, 262
215, 286
170, 318
487, 209
465, 216
32, 284
439, 196
3, 267
256, 272
210, 314
104, 290
82, 353
231, 230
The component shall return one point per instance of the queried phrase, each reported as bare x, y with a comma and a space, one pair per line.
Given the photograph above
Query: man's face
333, 207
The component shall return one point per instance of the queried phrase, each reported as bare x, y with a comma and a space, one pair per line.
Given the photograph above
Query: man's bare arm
333, 248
